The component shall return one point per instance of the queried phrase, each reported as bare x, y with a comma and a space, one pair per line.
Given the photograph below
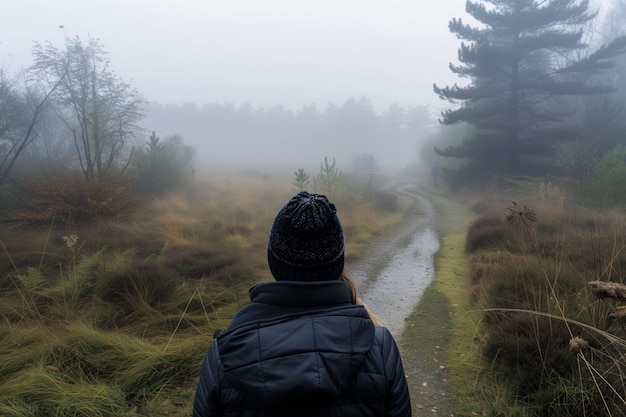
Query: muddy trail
393, 275
398, 266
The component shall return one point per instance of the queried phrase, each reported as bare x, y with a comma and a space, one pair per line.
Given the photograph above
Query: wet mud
399, 265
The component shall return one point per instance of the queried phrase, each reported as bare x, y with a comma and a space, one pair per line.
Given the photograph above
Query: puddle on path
396, 269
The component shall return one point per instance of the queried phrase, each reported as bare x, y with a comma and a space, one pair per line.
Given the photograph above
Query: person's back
303, 347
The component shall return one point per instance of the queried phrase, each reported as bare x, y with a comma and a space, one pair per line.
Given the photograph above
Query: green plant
576, 160
328, 180
301, 181
551, 194
609, 185
138, 287
81, 279
163, 166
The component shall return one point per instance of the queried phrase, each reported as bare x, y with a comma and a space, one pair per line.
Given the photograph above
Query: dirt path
394, 276
398, 266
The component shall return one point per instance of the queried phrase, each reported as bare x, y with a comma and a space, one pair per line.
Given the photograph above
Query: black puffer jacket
302, 349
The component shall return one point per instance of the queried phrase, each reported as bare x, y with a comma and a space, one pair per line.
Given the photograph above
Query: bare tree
16, 128
99, 110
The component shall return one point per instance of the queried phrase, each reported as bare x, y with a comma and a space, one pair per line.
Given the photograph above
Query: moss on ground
423, 345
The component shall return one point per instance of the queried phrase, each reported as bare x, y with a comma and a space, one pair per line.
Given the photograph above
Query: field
114, 317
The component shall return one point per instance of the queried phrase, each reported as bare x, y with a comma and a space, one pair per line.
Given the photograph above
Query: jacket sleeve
398, 400
206, 400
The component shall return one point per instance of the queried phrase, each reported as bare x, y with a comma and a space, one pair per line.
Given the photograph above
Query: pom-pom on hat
306, 242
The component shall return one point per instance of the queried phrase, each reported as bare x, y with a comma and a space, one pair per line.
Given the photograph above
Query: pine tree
329, 177
301, 181
519, 77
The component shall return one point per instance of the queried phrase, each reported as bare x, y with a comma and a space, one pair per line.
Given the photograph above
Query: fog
263, 52
275, 82
282, 138
258, 55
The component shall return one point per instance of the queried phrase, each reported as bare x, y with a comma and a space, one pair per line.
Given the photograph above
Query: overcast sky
265, 52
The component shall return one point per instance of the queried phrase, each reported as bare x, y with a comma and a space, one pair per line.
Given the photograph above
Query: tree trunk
513, 148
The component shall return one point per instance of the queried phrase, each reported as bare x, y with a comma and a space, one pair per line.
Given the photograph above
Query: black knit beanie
306, 241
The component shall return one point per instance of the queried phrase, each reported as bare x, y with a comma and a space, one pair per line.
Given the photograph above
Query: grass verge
441, 357
523, 316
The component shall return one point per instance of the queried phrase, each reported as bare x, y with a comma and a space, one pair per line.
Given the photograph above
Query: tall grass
545, 278
117, 320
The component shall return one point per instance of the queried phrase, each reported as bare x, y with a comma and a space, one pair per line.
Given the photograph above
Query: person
305, 345
434, 174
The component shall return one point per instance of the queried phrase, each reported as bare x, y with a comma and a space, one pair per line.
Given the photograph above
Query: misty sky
265, 52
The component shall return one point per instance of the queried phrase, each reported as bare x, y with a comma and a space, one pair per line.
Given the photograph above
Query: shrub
609, 185
74, 199
532, 346
196, 262
487, 231
559, 348
385, 200
483, 267
163, 165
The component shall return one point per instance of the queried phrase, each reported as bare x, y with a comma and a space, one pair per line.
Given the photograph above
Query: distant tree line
543, 97
277, 134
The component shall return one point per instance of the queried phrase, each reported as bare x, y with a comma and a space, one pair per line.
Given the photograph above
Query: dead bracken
605, 289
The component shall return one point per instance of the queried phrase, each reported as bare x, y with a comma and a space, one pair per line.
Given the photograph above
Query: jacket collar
301, 294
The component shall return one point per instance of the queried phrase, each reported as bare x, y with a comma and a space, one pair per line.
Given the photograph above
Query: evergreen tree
162, 166
327, 182
301, 181
519, 77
